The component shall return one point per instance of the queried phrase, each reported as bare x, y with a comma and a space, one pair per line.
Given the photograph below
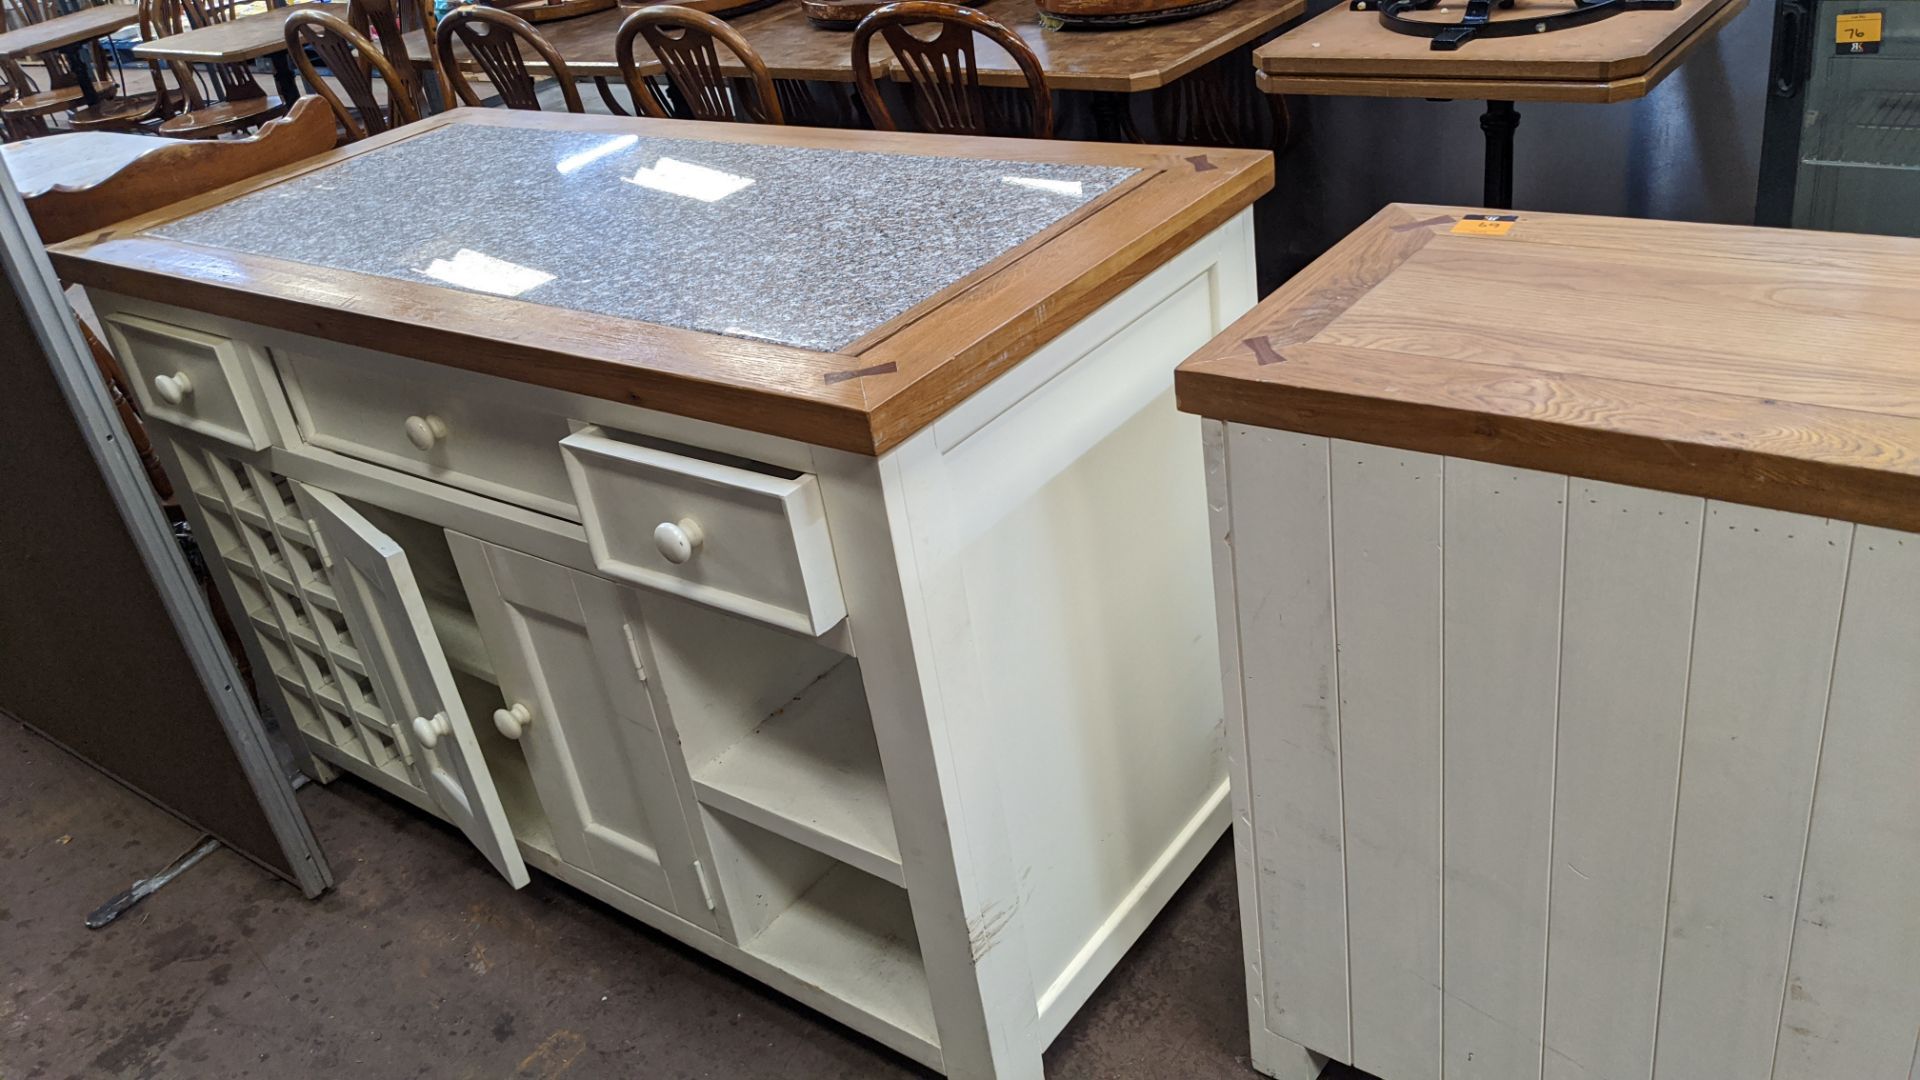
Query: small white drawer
750, 539
189, 379
431, 423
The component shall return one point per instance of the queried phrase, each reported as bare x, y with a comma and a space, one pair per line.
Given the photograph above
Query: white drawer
745, 538
431, 423
189, 379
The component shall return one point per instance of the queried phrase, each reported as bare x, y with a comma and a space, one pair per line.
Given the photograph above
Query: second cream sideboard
1569, 593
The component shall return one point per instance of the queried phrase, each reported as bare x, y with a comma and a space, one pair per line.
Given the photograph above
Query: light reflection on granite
815, 249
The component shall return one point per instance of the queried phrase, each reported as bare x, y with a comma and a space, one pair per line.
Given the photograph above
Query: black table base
1499, 122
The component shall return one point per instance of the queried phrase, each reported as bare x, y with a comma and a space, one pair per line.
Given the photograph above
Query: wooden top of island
1772, 367
836, 287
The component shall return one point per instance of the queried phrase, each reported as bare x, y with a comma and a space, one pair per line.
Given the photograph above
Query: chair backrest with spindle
492, 39
388, 22
353, 61
942, 70
687, 44
20, 13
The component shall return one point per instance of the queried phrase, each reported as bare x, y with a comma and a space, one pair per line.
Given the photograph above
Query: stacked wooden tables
1346, 52
70, 34
240, 41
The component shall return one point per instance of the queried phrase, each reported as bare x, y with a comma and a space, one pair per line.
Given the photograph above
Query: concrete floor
421, 962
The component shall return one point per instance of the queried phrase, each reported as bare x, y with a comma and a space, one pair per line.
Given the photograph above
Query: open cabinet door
567, 648
388, 616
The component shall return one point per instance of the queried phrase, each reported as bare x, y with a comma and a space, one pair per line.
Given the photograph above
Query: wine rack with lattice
288, 595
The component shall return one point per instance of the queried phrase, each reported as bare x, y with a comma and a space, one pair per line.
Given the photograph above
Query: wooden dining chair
687, 44
388, 22
132, 112
236, 102
942, 71
26, 104
493, 38
353, 61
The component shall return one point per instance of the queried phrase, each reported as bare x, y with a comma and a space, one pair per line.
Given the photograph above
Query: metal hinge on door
633, 651
706, 887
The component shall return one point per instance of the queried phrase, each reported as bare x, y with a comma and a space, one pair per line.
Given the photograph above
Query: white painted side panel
1387, 601
1769, 609
1281, 535
1505, 538
1139, 696
1853, 983
1633, 557
1633, 776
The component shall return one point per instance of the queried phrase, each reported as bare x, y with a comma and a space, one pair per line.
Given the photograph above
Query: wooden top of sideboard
864, 398
1778, 368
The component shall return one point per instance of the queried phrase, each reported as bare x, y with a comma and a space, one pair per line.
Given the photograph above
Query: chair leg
606, 95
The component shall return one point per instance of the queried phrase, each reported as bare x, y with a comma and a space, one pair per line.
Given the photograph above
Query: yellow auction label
1485, 224
1857, 32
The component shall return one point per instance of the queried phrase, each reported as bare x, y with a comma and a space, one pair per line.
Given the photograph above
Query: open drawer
742, 537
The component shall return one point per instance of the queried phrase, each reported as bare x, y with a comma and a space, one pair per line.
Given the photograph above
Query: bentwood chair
388, 22
943, 74
353, 62
687, 44
236, 103
131, 112
493, 39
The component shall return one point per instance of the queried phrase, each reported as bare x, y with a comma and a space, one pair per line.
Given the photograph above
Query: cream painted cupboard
855, 640
1569, 596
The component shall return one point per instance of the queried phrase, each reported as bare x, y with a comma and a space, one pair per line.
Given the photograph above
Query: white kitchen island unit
1569, 592
783, 535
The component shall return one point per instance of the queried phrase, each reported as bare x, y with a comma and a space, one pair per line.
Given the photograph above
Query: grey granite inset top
804, 247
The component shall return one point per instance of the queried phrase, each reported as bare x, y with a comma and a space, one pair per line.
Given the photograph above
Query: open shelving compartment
825, 922
780, 745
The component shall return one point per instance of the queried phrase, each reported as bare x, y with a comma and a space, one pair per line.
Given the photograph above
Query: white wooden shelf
460, 640
811, 773
852, 936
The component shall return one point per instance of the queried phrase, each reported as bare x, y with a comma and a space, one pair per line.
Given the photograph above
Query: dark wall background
1689, 151
88, 655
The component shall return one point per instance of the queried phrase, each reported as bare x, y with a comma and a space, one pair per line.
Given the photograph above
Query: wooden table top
1346, 52
84, 25
245, 38
75, 159
1767, 366
1123, 61
864, 398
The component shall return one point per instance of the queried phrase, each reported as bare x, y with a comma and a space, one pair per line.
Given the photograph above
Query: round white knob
513, 720
425, 431
173, 389
678, 541
429, 731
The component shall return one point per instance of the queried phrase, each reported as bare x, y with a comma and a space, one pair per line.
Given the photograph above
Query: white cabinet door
388, 617
567, 648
